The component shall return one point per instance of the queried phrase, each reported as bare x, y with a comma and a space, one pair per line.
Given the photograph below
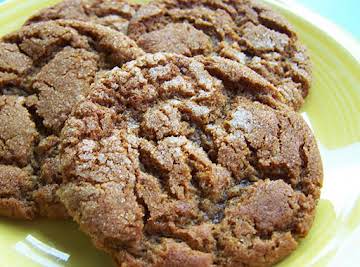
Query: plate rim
342, 37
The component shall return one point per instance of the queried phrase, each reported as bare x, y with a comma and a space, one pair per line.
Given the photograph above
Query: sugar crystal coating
244, 31
110, 13
46, 68
197, 172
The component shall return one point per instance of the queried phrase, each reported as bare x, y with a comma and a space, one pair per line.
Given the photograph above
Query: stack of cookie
167, 131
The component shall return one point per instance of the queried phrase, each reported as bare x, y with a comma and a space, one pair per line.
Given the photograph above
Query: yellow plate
333, 111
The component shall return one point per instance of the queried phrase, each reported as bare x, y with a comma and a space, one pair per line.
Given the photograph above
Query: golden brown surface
21, 195
242, 30
111, 13
46, 68
168, 160
18, 132
165, 164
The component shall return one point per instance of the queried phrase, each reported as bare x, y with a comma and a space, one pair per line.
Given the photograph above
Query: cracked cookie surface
46, 68
167, 164
242, 30
111, 13
21, 196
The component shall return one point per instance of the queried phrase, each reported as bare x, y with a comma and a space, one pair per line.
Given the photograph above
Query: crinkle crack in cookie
166, 165
112, 13
46, 69
242, 30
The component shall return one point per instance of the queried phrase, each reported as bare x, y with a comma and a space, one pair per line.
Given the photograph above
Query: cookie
111, 13
244, 31
165, 164
20, 196
18, 137
45, 69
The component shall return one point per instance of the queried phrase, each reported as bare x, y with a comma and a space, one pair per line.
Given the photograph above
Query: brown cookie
18, 137
112, 13
45, 69
166, 165
245, 31
20, 194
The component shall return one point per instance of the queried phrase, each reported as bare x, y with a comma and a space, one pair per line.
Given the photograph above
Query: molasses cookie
46, 68
112, 13
242, 30
20, 195
165, 164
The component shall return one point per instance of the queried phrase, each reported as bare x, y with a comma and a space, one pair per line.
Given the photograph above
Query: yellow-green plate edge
332, 110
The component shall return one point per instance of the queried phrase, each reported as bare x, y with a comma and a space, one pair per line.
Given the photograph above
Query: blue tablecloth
345, 13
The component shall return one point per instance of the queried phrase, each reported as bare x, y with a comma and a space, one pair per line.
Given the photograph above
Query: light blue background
345, 13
